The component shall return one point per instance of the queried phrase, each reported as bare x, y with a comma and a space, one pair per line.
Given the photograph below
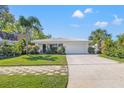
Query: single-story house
72, 46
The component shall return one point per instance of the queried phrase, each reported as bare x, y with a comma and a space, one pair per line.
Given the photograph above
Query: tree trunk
30, 35
26, 41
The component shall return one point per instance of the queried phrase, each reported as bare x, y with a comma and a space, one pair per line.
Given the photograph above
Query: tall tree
6, 18
4, 8
97, 37
29, 24
120, 40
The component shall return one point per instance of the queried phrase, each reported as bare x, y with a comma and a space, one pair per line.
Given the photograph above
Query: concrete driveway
91, 71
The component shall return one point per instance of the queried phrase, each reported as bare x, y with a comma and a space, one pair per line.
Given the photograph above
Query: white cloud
78, 14
88, 10
75, 25
101, 23
117, 20
81, 14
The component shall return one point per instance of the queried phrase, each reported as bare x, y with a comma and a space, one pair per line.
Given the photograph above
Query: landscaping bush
120, 53
23, 46
91, 50
8, 49
114, 52
56, 50
52, 50
33, 49
61, 50
110, 52
17, 49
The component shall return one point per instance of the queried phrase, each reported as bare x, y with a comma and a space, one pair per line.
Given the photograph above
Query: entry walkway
36, 70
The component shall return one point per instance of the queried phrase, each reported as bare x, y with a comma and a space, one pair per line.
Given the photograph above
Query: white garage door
76, 49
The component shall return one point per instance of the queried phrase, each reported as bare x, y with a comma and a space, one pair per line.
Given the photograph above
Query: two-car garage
76, 47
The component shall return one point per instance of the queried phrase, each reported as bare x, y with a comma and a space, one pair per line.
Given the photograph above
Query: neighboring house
11, 37
9, 41
72, 46
8, 36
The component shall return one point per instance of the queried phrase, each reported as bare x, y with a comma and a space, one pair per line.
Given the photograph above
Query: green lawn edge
33, 81
34, 60
120, 60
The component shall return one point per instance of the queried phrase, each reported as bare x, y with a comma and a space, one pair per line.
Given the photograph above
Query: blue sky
75, 21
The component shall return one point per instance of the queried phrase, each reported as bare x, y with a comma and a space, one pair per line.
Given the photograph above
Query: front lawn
121, 60
38, 59
33, 81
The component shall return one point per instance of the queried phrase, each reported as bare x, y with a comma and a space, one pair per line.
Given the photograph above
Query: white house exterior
72, 46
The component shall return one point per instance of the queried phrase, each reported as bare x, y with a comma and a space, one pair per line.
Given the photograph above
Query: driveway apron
92, 71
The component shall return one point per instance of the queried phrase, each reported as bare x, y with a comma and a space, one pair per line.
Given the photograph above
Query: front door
44, 48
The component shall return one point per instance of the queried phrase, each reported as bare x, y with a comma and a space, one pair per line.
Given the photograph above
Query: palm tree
120, 40
29, 24
97, 37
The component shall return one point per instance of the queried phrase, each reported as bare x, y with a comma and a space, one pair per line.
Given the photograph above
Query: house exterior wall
71, 47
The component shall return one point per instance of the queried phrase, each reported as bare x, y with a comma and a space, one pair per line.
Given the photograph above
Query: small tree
29, 24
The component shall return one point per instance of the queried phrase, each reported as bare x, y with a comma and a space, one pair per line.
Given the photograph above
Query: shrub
91, 50
23, 46
10, 49
114, 52
17, 48
120, 53
6, 49
110, 52
52, 50
61, 50
33, 49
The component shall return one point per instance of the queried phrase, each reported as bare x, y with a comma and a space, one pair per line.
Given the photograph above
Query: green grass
33, 81
34, 60
121, 60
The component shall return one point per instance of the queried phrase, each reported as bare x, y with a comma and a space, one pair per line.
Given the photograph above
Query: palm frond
34, 20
